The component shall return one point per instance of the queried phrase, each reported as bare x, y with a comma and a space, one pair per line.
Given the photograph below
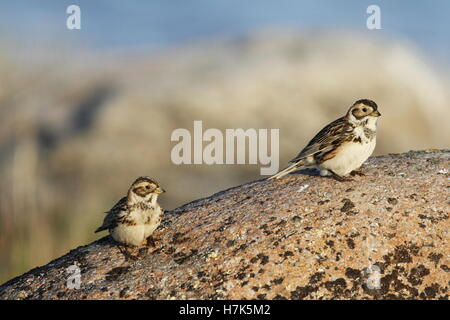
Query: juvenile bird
342, 146
135, 217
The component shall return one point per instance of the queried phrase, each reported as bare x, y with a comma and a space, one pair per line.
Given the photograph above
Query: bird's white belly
145, 223
153, 223
131, 235
350, 157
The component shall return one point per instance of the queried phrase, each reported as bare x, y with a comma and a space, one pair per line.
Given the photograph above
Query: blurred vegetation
75, 132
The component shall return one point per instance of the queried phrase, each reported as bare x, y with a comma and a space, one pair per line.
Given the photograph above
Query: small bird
342, 146
135, 217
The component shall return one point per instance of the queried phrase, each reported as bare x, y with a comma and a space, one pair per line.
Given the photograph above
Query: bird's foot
150, 242
143, 251
340, 178
357, 173
343, 179
126, 253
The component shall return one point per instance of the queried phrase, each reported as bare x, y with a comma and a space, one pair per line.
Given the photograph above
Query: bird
134, 218
342, 146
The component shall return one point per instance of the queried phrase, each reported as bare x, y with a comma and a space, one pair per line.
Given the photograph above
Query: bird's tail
282, 173
100, 229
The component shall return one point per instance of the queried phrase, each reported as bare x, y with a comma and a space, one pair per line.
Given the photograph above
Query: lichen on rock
384, 235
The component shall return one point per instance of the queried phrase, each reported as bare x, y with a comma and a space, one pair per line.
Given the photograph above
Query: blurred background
84, 112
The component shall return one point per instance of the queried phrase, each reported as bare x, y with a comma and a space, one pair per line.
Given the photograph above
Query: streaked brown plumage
134, 218
341, 146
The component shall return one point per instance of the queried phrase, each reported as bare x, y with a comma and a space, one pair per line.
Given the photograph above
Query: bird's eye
147, 187
364, 109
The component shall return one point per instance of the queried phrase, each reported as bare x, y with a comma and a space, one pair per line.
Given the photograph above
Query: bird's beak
160, 190
375, 114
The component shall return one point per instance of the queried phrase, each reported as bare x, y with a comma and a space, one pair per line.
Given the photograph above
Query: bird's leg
357, 172
124, 250
339, 178
151, 242
143, 251
135, 254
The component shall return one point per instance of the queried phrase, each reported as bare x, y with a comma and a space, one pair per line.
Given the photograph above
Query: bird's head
144, 189
363, 110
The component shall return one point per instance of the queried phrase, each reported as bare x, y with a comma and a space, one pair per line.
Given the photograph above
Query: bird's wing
115, 215
328, 139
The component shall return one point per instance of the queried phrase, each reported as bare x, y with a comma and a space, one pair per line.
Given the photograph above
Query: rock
273, 79
384, 235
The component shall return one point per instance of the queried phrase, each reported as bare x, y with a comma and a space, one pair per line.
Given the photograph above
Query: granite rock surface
384, 235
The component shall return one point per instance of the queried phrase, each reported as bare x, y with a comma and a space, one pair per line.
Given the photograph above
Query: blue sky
159, 23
